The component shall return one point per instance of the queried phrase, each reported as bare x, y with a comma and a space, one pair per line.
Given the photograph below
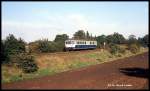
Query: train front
69, 45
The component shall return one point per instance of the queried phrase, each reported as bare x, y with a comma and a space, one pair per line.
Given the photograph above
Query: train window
72, 42
68, 42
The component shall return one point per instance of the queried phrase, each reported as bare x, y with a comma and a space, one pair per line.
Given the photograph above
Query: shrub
134, 48
47, 46
29, 66
114, 49
52, 47
59, 46
34, 47
44, 46
25, 62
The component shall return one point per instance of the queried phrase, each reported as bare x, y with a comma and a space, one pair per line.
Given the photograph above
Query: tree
100, 40
144, 40
61, 38
60, 41
115, 38
79, 34
133, 44
95, 37
109, 39
13, 46
87, 35
118, 38
132, 39
91, 37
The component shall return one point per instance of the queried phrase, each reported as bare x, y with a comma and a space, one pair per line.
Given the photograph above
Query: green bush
43, 46
114, 49
134, 48
25, 62
48, 46
60, 46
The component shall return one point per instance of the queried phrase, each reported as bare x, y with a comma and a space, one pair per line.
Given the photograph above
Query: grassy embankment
50, 64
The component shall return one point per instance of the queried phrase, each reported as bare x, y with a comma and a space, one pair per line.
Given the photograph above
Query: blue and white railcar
80, 44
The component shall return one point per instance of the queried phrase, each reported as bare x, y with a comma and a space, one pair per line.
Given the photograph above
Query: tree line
13, 46
14, 51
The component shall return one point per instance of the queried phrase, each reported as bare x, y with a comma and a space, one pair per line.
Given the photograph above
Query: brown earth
128, 73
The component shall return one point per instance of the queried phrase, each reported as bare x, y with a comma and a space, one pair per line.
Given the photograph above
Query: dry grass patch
49, 63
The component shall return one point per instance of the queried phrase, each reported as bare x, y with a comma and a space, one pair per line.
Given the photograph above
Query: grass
50, 64
79, 64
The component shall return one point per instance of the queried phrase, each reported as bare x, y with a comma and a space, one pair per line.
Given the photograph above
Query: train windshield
69, 42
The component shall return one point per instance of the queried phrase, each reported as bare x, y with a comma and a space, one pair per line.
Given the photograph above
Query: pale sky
36, 20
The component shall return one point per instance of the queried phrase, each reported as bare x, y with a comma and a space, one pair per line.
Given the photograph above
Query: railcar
80, 44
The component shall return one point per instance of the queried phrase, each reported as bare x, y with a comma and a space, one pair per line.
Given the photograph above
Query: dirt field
128, 73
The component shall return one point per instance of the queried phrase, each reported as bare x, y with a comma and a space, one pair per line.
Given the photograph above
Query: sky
38, 20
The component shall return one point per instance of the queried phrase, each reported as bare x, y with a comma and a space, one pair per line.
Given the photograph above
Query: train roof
82, 39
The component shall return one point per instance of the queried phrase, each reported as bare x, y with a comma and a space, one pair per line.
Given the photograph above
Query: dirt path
129, 73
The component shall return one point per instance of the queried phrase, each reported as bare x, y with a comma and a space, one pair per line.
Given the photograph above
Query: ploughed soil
127, 73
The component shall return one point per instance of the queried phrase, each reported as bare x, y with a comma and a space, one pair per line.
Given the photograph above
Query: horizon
39, 20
